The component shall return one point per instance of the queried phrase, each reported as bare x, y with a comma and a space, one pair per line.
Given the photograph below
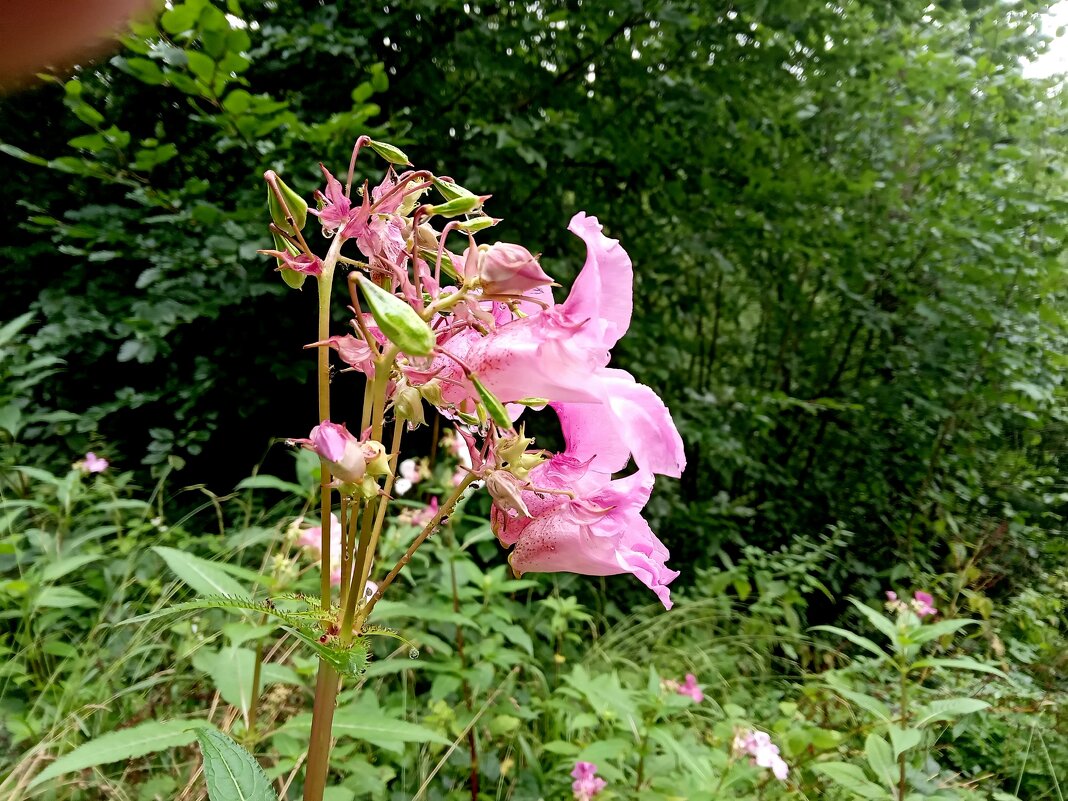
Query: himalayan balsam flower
507, 269
409, 475
587, 784
92, 463
922, 603
691, 688
762, 752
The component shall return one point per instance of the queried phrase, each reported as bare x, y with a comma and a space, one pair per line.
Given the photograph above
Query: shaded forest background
847, 223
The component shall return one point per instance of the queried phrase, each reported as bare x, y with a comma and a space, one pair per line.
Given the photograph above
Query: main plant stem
326, 684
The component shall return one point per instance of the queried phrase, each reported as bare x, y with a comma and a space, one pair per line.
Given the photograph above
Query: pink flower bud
507, 269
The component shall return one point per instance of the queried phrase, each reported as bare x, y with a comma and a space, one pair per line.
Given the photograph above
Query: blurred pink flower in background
587, 784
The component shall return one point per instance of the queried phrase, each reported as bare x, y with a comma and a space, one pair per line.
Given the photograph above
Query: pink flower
691, 688
335, 209
92, 463
763, 753
347, 456
587, 784
410, 475
312, 540
354, 352
301, 263
923, 604
582, 521
422, 517
561, 354
507, 269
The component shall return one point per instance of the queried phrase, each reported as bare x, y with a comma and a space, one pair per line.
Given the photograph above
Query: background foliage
847, 222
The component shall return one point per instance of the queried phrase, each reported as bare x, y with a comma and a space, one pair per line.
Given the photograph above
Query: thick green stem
326, 684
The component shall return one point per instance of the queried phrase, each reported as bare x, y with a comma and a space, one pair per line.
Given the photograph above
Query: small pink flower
587, 784
410, 475
302, 263
92, 463
422, 517
762, 752
923, 604
691, 688
345, 454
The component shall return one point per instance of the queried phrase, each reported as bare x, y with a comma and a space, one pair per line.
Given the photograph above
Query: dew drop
413, 653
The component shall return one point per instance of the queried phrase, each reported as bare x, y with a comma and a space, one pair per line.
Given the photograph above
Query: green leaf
364, 722
949, 709
880, 759
58, 569
231, 670
62, 598
856, 639
125, 744
866, 702
203, 576
851, 778
880, 621
933, 631
904, 739
961, 663
272, 482
231, 773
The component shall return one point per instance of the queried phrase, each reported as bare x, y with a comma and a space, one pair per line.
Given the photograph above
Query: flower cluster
921, 604
477, 334
763, 753
690, 688
587, 783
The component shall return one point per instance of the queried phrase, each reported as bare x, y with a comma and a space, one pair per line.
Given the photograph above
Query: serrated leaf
231, 772
203, 576
125, 744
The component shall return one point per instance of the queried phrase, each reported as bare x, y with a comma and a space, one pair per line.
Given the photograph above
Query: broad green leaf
116, 746
948, 709
62, 598
374, 727
57, 570
904, 739
856, 639
232, 669
230, 772
203, 576
961, 663
880, 759
851, 778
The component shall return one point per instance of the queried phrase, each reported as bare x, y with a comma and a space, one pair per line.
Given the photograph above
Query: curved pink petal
603, 289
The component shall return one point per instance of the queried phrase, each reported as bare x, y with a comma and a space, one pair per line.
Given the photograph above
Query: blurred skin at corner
45, 35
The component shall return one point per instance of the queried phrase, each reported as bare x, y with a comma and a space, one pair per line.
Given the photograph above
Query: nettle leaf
230, 772
125, 744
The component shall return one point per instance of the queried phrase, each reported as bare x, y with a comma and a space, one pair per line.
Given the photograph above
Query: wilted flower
587, 784
763, 753
92, 463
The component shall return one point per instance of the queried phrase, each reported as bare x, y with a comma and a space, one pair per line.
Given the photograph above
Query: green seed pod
291, 277
457, 206
394, 155
298, 207
401, 324
450, 190
496, 409
477, 224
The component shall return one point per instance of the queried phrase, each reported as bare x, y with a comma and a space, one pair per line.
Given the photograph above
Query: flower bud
394, 155
506, 491
507, 269
494, 407
401, 324
431, 393
409, 405
297, 206
376, 458
450, 190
